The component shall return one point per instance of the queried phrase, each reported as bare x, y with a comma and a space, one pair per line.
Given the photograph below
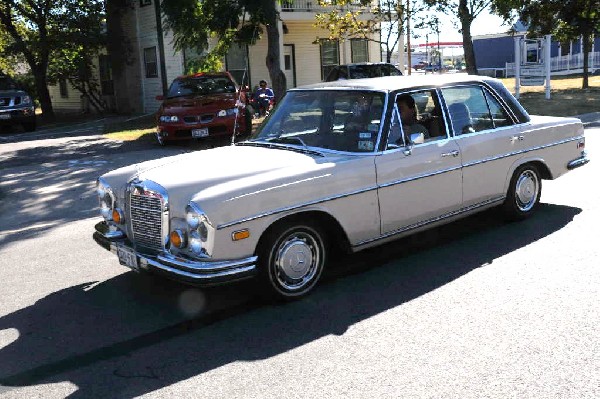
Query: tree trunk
118, 50
278, 81
41, 85
586, 54
465, 21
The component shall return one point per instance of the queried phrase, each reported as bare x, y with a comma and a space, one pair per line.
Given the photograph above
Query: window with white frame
359, 49
330, 56
150, 62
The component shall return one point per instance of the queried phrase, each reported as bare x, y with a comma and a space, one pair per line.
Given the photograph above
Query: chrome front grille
147, 216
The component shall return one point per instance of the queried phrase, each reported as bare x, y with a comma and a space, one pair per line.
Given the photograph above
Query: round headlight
203, 231
195, 244
192, 219
222, 113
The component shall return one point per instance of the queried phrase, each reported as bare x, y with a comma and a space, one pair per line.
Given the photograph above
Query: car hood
212, 102
229, 181
12, 93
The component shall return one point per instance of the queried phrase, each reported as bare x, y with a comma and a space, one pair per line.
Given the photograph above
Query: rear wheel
523, 194
291, 259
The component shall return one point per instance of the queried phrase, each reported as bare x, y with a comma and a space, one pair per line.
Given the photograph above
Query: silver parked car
351, 163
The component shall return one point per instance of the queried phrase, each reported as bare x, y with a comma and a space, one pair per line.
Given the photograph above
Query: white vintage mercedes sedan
346, 164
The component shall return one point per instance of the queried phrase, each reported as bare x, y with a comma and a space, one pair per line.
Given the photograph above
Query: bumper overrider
201, 273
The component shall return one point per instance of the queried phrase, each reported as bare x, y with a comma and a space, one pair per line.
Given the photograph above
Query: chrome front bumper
202, 273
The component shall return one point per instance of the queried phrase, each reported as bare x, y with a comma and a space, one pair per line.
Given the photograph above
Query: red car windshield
200, 85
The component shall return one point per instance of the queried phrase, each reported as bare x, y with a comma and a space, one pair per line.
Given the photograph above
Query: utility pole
408, 55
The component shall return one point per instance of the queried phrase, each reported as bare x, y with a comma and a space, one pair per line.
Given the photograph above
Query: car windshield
199, 85
7, 83
340, 120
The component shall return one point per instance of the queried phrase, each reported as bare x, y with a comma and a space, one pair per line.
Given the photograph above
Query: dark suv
362, 70
16, 106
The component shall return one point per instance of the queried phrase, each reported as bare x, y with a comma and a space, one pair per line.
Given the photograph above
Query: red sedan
202, 105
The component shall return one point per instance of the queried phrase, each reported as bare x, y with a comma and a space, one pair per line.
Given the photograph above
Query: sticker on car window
365, 145
364, 135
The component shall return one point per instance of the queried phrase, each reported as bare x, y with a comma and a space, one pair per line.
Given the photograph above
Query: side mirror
160, 97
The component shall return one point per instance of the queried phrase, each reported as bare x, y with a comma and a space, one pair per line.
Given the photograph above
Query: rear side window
473, 109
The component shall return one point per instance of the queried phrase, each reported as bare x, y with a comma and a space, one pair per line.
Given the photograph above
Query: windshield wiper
276, 142
284, 140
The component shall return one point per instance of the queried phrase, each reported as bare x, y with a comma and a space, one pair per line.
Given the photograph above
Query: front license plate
200, 132
4, 116
127, 257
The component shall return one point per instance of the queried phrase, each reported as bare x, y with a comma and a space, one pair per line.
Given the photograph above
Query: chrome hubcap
526, 190
297, 260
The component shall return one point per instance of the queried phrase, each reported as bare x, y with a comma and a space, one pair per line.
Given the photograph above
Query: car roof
198, 74
391, 83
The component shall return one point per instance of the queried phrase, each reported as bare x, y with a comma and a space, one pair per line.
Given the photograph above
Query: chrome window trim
430, 221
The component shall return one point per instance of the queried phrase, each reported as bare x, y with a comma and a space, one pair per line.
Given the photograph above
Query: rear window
199, 85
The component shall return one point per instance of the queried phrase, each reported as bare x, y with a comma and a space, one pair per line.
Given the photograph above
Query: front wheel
523, 194
291, 260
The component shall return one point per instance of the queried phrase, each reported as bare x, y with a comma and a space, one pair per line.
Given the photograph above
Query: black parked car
16, 105
362, 70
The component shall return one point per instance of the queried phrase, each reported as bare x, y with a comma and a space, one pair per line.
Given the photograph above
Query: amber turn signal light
240, 235
117, 216
177, 238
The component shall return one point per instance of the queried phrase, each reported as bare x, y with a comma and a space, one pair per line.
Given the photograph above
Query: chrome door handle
515, 138
451, 153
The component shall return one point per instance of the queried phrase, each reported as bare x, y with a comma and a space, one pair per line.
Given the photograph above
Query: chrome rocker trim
201, 273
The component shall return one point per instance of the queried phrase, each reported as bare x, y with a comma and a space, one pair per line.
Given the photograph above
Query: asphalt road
475, 309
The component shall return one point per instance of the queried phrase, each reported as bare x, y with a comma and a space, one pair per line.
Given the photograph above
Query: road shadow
142, 333
60, 185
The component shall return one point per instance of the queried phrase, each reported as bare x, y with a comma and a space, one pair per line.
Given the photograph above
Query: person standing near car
263, 96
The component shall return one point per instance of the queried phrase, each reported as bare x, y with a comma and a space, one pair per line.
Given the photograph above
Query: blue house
495, 54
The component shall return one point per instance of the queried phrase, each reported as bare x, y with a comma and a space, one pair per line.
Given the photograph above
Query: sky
485, 23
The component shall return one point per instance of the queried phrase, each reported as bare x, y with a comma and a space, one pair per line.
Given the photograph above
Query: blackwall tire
291, 260
523, 196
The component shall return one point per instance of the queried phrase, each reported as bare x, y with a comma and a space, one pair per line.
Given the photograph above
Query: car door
488, 139
417, 183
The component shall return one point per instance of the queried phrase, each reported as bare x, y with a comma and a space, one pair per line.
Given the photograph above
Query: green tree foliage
377, 23
43, 31
465, 11
194, 22
565, 19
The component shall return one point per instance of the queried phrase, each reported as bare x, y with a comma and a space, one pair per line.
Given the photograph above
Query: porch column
281, 49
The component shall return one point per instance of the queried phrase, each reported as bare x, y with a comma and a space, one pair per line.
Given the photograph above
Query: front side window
199, 85
330, 57
416, 112
473, 109
337, 120
151, 65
